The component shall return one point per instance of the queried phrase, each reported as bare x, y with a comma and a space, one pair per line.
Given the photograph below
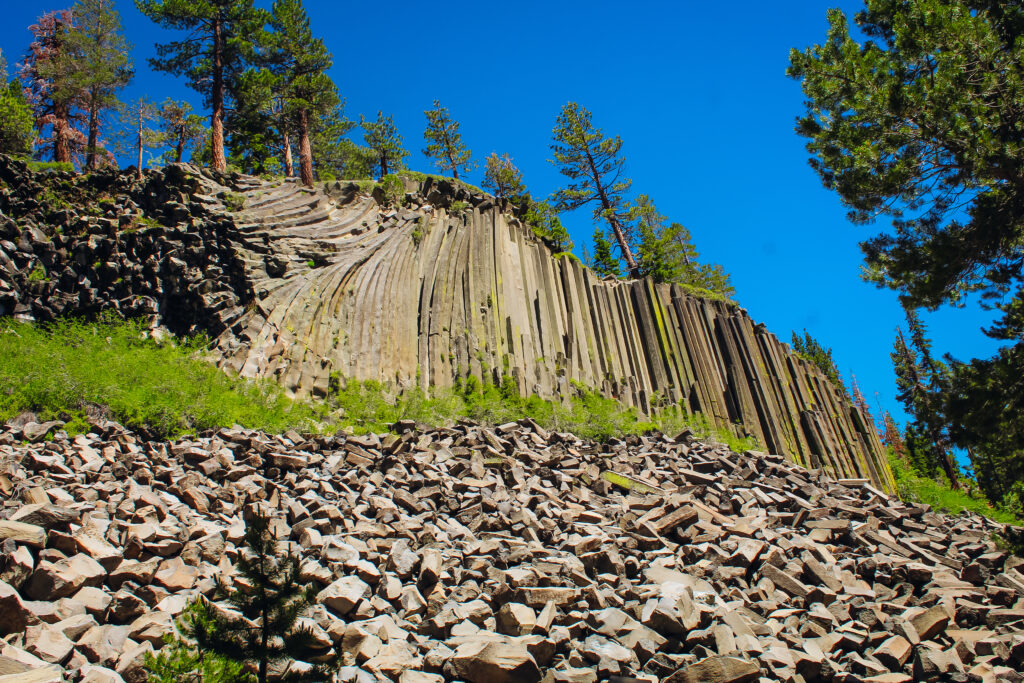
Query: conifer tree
921, 383
219, 40
544, 221
52, 88
502, 177
604, 262
594, 165
184, 658
810, 349
382, 137
183, 130
444, 141
890, 435
136, 137
99, 58
270, 605
300, 62
665, 252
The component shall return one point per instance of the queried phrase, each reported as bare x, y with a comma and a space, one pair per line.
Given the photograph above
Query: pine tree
544, 221
589, 159
100, 61
300, 62
810, 349
604, 262
921, 384
383, 139
270, 605
444, 141
665, 253
183, 130
52, 89
219, 40
502, 177
890, 435
183, 659
136, 137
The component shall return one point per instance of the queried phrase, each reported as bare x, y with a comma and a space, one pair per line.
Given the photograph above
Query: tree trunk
61, 144
383, 165
305, 152
217, 117
94, 128
138, 172
179, 151
289, 164
620, 236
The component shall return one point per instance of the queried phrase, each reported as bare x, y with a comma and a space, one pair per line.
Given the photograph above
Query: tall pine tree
219, 39
300, 62
52, 88
920, 382
99, 56
444, 141
594, 165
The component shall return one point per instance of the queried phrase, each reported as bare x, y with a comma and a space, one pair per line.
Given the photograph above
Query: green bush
59, 370
392, 190
234, 201
43, 166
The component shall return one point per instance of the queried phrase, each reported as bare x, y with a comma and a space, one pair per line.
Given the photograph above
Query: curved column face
424, 294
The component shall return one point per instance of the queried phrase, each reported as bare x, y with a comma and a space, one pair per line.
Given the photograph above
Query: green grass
43, 166
58, 370
913, 488
373, 407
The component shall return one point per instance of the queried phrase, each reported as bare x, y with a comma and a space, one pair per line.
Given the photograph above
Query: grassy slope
912, 487
60, 370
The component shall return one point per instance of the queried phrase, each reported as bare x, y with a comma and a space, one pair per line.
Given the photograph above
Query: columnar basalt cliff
308, 285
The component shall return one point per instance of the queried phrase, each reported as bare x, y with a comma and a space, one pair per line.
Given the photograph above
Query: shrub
234, 201
390, 190
44, 166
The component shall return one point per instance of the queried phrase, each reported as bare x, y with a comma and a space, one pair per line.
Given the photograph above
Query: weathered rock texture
308, 285
509, 554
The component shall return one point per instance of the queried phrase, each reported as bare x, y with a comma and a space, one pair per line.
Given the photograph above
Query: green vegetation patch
58, 371
72, 368
911, 487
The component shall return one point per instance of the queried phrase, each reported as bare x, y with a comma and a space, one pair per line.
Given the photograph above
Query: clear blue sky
699, 97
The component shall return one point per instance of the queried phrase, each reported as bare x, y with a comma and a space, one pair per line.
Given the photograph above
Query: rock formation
508, 554
305, 285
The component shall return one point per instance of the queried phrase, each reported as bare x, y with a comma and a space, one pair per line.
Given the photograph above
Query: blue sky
699, 97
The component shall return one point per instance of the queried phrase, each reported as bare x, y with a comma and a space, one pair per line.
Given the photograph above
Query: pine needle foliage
270, 602
382, 138
594, 165
184, 659
444, 142
502, 177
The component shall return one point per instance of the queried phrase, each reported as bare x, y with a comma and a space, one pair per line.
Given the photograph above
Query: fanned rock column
426, 294
302, 285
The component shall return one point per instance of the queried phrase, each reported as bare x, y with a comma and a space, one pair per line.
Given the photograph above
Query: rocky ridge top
500, 554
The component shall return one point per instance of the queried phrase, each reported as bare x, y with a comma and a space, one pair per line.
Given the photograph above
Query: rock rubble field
499, 555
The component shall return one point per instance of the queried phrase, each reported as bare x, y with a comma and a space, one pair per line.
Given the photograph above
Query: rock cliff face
308, 285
